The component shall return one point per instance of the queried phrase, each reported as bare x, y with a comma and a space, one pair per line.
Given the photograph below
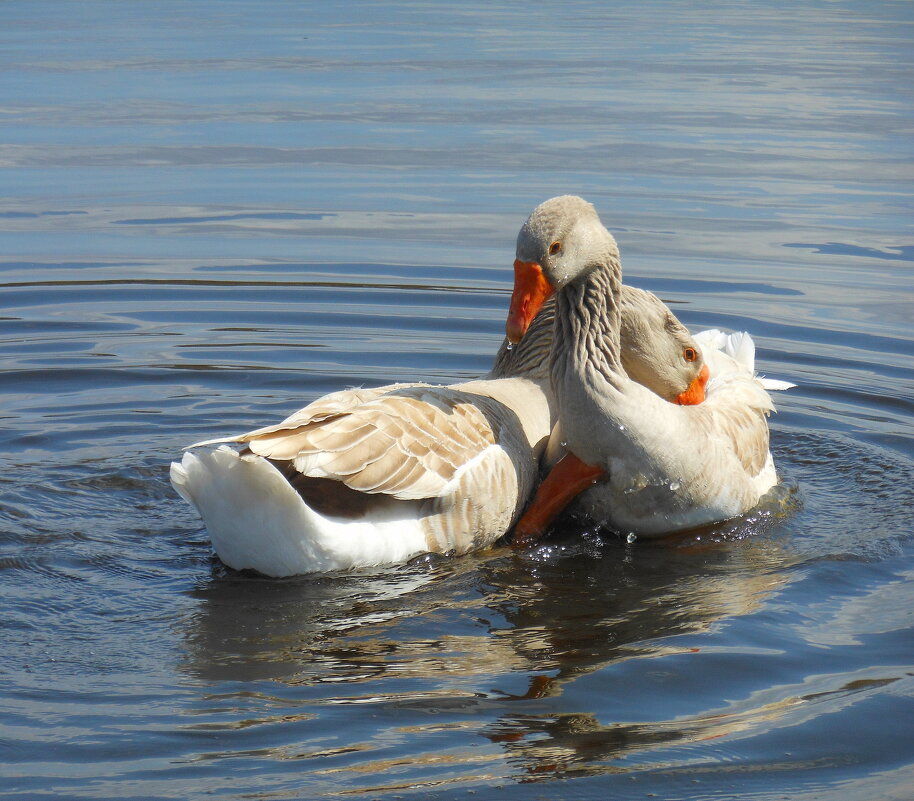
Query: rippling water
212, 213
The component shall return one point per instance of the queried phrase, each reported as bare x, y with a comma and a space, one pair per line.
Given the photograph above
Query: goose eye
554, 248
690, 354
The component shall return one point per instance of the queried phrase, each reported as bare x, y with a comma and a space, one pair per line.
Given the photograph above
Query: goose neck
588, 320
530, 357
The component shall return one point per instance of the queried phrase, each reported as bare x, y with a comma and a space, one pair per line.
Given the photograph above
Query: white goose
660, 467
373, 476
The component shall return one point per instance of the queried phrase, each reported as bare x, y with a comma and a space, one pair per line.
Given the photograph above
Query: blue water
212, 213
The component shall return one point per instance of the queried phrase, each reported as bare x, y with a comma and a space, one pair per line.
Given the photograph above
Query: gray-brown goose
646, 467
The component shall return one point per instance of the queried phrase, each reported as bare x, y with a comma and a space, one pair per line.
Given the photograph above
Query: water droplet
563, 444
631, 537
621, 428
510, 346
675, 485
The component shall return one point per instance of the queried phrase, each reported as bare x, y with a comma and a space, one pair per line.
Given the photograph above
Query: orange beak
530, 292
695, 394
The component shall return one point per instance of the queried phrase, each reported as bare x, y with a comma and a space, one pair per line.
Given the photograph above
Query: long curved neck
530, 357
588, 319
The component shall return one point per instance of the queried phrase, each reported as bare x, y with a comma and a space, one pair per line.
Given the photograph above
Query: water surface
211, 214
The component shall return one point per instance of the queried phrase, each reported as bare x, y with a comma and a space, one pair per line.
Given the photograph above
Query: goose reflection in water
495, 642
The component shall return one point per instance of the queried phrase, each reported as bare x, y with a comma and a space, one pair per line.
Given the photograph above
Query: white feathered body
400, 470
665, 467
663, 482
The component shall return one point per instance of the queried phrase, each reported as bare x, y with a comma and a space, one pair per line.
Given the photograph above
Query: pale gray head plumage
565, 237
657, 350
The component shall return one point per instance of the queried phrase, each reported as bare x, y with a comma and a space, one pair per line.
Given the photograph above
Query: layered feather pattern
666, 467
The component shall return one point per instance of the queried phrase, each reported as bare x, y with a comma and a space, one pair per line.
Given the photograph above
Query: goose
365, 477
644, 466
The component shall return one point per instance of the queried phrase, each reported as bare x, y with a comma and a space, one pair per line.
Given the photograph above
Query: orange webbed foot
567, 479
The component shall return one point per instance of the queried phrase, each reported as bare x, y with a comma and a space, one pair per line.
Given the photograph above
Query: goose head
563, 240
659, 352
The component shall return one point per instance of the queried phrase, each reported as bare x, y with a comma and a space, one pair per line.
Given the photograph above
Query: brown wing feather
332, 405
408, 442
739, 415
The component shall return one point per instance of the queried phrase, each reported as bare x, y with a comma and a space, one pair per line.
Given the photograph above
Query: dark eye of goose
690, 354
554, 248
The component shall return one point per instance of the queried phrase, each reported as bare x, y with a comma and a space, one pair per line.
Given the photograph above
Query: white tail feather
219, 441
739, 346
257, 521
774, 383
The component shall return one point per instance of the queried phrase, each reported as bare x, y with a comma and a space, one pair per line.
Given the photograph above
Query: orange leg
569, 477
